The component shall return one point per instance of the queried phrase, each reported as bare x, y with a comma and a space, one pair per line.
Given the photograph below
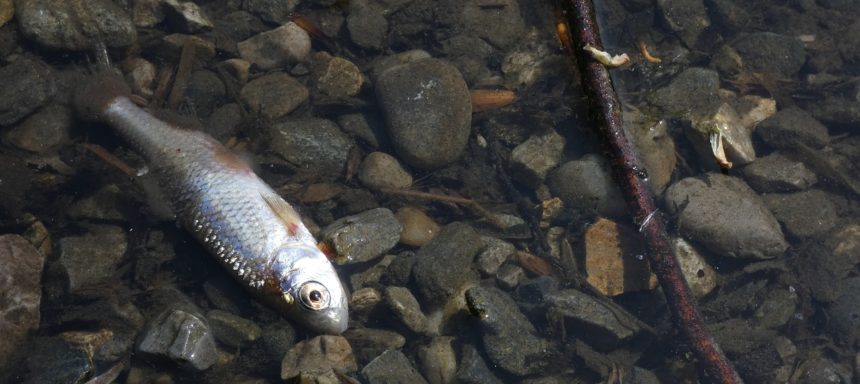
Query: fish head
311, 292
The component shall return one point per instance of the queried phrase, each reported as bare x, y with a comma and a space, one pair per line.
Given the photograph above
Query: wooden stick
631, 177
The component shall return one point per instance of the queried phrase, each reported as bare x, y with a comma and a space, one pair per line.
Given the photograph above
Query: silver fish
249, 228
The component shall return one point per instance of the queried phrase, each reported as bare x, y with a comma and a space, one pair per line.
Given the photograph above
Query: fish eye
314, 295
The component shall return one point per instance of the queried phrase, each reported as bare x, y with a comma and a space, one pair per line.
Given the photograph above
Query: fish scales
256, 235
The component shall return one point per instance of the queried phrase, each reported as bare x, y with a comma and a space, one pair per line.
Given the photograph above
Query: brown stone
614, 259
20, 292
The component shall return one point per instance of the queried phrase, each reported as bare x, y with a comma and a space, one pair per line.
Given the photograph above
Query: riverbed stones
418, 228
405, 308
391, 367
803, 214
510, 340
586, 184
601, 324
186, 16
367, 25
42, 132
428, 111
444, 265
285, 45
792, 125
692, 90
688, 19
501, 25
368, 343
75, 24
768, 52
274, 96
20, 292
614, 259
92, 258
182, 336
380, 170
533, 158
726, 216
27, 84
777, 173
317, 356
336, 77
311, 143
232, 330
362, 237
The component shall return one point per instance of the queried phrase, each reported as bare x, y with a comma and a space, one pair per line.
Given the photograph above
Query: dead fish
246, 225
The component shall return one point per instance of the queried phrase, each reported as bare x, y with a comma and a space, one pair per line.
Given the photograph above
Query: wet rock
42, 132
601, 324
367, 25
438, 361
224, 122
372, 275
405, 308
186, 17
232, 330
586, 184
272, 11
7, 10
318, 355
726, 216
656, 149
182, 336
692, 90
205, 91
362, 237
285, 45
792, 125
75, 24
369, 128
277, 339
368, 343
273, 96
473, 369
444, 265
400, 270
753, 109
767, 52
418, 228
531, 160
729, 16
776, 308
27, 85
311, 143
20, 292
147, 13
336, 77
234, 27
688, 19
103, 204
510, 340
755, 352
523, 67
496, 253
736, 139
501, 25
141, 75
380, 170
238, 68
509, 276
776, 173
119, 316
821, 370
391, 367
699, 275
824, 264
92, 258
845, 315
365, 300
803, 214
614, 259
428, 111
56, 361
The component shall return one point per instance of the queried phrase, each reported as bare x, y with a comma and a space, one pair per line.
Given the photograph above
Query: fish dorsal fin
288, 216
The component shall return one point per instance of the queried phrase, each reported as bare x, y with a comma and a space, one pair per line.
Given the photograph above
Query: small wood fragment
109, 158
643, 49
486, 99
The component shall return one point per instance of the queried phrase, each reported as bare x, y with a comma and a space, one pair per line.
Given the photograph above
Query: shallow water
502, 293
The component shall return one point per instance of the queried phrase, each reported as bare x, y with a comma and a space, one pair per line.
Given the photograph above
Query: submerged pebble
428, 110
317, 356
391, 366
20, 292
444, 265
75, 24
362, 237
726, 216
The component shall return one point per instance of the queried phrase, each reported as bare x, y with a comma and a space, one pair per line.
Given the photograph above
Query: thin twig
183, 74
109, 158
630, 176
450, 199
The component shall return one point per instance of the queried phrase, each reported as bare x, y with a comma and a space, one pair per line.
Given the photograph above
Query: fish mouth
331, 321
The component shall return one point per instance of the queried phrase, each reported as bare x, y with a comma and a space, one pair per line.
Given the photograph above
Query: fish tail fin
97, 92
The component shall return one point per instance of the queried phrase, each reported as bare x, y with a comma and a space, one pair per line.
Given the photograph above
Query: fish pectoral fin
283, 210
